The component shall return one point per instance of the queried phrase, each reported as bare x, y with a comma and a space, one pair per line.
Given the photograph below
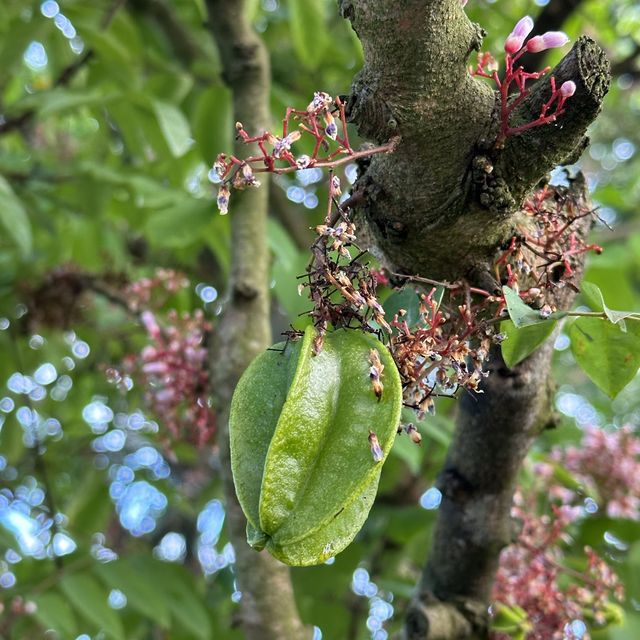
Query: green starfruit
304, 465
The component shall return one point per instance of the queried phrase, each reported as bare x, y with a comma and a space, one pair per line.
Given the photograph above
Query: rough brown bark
440, 206
268, 608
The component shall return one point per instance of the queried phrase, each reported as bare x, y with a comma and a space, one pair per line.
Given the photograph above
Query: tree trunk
268, 608
440, 206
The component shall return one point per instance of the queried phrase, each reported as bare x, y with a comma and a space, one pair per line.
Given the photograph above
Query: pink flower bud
548, 40
155, 368
165, 396
523, 27
535, 44
150, 324
554, 39
517, 36
567, 88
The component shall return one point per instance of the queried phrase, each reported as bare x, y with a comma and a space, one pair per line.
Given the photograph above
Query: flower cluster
172, 368
543, 254
341, 286
607, 464
515, 77
153, 292
444, 350
447, 347
531, 576
324, 121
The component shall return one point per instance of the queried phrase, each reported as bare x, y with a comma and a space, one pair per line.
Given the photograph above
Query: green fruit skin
302, 466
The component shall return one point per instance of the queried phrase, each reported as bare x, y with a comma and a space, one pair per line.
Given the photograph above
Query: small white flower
223, 199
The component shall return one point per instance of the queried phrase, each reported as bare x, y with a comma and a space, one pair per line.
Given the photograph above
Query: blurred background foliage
111, 114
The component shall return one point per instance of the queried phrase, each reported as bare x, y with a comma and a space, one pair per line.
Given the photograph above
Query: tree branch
440, 206
443, 201
495, 430
268, 609
527, 157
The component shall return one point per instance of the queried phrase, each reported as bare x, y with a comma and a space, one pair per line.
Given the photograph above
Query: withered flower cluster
341, 287
544, 253
453, 325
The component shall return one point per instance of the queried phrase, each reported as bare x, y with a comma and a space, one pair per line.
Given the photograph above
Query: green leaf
185, 603
288, 264
54, 612
144, 191
142, 594
632, 584
308, 29
90, 600
566, 479
281, 244
595, 300
519, 343
212, 123
630, 628
613, 273
409, 452
510, 619
181, 224
14, 219
174, 126
16, 36
521, 315
106, 44
608, 355
47, 103
89, 509
409, 300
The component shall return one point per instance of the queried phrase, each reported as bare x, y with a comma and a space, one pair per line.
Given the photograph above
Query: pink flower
150, 324
548, 40
567, 88
282, 145
155, 368
517, 37
321, 100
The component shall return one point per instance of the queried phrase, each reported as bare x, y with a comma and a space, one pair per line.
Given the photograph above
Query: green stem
594, 314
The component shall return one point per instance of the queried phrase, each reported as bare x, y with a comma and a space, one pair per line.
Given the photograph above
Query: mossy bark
441, 203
